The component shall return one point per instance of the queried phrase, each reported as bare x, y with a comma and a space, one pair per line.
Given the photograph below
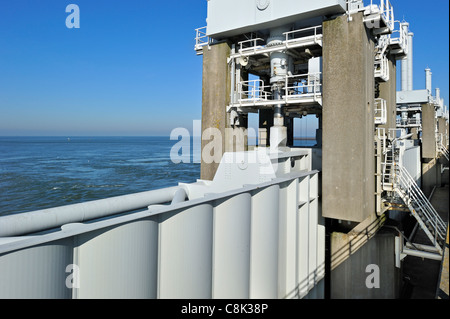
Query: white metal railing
354, 6
444, 151
380, 111
388, 173
399, 36
296, 88
384, 9
253, 90
440, 145
381, 133
201, 39
382, 68
412, 121
295, 38
382, 45
303, 34
396, 177
251, 45
420, 203
303, 85
388, 13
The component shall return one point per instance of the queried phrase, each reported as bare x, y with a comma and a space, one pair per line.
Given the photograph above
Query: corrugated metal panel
303, 239
288, 238
185, 253
231, 247
118, 262
36, 272
264, 243
259, 241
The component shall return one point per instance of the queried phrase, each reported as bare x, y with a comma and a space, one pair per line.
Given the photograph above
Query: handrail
254, 92
400, 180
409, 121
310, 83
201, 39
386, 11
410, 187
255, 48
402, 38
380, 108
444, 151
315, 28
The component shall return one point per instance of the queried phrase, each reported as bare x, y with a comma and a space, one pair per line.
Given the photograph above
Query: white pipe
26, 223
404, 33
279, 66
405, 74
430, 249
422, 254
428, 80
179, 196
410, 61
233, 75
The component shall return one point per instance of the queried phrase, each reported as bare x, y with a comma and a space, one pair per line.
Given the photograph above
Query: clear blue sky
130, 69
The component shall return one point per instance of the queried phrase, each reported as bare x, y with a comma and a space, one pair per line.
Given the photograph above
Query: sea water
43, 172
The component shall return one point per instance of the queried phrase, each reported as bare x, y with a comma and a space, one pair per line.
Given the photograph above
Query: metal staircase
443, 150
396, 178
420, 207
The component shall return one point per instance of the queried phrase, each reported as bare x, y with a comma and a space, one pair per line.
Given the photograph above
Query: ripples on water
43, 172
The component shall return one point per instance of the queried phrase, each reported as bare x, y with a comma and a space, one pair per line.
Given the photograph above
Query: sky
131, 69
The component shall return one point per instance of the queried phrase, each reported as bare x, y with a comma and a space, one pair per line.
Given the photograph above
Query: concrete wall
348, 280
348, 168
388, 92
428, 131
431, 174
215, 98
443, 129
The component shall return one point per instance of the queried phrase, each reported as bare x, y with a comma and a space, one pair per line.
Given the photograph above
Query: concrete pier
348, 120
215, 98
428, 131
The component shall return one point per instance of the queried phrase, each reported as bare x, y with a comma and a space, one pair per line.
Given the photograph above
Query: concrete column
430, 172
415, 133
215, 98
388, 92
443, 129
428, 131
348, 166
